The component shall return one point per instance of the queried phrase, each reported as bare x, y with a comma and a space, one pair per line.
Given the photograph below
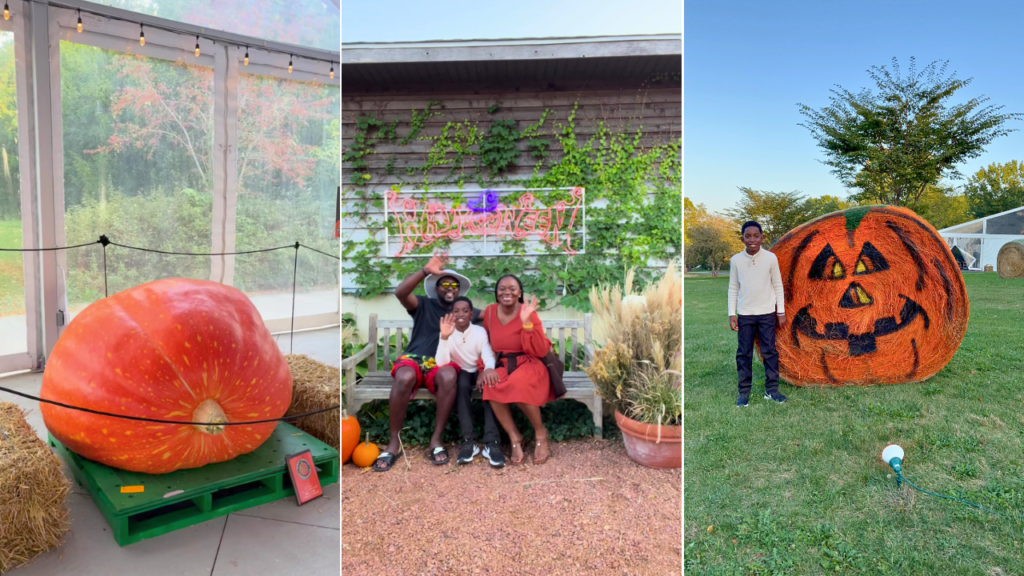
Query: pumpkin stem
210, 412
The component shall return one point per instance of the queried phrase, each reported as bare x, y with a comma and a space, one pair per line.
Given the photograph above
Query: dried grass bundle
1010, 260
643, 337
317, 386
873, 296
34, 514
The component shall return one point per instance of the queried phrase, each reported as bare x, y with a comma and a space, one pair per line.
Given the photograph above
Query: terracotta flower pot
643, 445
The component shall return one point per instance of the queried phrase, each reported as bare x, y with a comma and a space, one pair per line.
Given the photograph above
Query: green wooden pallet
249, 480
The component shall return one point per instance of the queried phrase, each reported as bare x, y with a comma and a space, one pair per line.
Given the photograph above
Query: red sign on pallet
304, 478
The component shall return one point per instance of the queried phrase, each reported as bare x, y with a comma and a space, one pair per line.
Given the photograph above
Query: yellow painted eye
837, 270
861, 268
863, 296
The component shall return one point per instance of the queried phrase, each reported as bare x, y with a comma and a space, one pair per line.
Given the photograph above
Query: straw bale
317, 386
1010, 260
34, 514
873, 296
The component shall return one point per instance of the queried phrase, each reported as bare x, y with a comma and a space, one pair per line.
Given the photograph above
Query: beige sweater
755, 284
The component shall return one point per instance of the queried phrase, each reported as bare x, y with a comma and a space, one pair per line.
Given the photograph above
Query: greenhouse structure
976, 244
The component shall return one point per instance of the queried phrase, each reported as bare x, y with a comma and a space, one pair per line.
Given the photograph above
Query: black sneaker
492, 452
468, 451
743, 400
775, 397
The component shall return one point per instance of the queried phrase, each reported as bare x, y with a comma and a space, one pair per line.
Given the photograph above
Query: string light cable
212, 37
893, 456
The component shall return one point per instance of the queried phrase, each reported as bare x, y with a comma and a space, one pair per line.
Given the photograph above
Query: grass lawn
12, 293
799, 488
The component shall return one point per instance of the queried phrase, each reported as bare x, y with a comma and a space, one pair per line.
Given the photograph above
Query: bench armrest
348, 365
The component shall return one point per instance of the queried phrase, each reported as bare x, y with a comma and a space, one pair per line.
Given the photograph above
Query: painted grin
860, 344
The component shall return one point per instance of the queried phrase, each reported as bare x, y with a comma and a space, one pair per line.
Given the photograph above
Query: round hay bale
873, 296
34, 514
317, 386
1010, 260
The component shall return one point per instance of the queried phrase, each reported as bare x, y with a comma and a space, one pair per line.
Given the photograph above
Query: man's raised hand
447, 326
437, 263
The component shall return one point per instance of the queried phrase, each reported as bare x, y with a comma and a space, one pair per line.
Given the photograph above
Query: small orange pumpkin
365, 454
873, 296
349, 436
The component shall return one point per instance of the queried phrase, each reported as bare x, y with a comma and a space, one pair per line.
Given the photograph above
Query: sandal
438, 450
515, 462
388, 458
535, 460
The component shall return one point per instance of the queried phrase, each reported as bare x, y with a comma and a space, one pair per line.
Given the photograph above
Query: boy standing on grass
756, 305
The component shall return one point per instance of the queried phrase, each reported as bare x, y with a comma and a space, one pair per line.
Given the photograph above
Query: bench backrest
579, 331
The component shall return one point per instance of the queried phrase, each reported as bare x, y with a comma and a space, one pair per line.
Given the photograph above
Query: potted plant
639, 368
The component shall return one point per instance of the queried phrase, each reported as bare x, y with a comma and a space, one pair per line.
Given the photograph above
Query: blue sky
403, 20
747, 64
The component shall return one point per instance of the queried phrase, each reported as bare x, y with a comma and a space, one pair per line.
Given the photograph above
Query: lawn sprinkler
893, 456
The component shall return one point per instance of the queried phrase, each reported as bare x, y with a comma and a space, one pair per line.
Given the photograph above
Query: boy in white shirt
467, 345
756, 305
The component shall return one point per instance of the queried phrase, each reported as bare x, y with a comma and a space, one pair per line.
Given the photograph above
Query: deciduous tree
892, 144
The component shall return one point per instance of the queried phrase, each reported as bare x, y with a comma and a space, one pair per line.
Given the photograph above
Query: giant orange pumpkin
184, 350
873, 296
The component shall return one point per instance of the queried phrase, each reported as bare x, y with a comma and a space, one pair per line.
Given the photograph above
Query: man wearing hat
417, 367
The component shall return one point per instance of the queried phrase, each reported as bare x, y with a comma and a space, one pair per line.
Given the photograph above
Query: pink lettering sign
422, 223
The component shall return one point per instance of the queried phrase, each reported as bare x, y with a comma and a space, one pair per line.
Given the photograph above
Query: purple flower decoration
486, 201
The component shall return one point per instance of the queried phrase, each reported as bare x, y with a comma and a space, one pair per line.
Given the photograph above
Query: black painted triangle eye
826, 266
870, 260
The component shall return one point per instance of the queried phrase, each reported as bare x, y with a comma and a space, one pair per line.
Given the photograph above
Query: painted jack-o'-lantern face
873, 295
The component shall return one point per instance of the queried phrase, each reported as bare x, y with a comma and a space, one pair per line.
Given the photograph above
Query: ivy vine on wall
640, 223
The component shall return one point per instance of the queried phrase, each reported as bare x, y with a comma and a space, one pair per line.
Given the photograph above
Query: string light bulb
246, 61
142, 35
332, 71
79, 21
7, 11
197, 46
289, 63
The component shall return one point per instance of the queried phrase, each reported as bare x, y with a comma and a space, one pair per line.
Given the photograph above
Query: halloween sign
486, 221
873, 295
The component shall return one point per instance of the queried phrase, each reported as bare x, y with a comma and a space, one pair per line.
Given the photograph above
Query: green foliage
892, 144
639, 223
564, 420
419, 120
776, 212
498, 149
943, 206
995, 188
142, 221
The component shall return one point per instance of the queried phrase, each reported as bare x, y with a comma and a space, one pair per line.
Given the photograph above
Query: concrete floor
271, 540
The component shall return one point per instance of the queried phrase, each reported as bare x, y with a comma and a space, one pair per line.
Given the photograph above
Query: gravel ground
587, 510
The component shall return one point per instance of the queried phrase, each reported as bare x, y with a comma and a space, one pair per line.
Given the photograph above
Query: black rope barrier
158, 421
104, 241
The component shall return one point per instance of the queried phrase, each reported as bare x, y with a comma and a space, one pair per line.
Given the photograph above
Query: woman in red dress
516, 333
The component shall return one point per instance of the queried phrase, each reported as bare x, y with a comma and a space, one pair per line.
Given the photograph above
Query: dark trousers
463, 398
763, 328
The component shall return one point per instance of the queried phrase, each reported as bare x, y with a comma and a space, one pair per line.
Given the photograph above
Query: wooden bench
376, 385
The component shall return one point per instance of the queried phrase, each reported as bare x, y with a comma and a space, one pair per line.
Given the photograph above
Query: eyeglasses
449, 285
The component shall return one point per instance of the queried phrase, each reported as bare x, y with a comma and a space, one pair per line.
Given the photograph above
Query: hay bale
34, 514
873, 296
317, 386
989, 268
1010, 260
